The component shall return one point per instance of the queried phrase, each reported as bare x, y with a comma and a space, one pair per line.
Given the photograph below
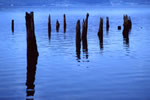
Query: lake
118, 71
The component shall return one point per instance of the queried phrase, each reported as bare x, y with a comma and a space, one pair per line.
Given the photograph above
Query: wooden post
78, 39
129, 23
64, 23
12, 25
127, 27
49, 27
84, 36
100, 32
32, 53
57, 26
86, 22
107, 23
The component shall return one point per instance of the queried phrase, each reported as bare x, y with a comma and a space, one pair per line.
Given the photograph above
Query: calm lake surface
119, 71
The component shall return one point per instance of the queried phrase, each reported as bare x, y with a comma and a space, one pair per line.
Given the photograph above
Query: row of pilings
82, 38
32, 49
57, 25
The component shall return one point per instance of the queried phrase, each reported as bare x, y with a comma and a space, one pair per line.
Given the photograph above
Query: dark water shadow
78, 57
107, 33
64, 36
12, 33
85, 56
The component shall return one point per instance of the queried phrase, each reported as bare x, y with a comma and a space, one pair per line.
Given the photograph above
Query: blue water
119, 71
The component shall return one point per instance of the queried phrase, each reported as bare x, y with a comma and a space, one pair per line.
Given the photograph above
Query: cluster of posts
126, 29
82, 38
127, 25
57, 25
32, 51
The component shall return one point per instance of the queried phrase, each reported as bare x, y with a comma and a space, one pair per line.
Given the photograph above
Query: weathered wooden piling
78, 39
84, 33
127, 22
127, 27
57, 26
86, 22
12, 25
100, 32
49, 27
32, 53
84, 36
31, 39
107, 23
65, 23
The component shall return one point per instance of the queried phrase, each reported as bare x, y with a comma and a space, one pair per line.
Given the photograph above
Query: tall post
86, 22
84, 36
57, 26
65, 23
78, 39
12, 25
107, 23
100, 32
32, 53
49, 27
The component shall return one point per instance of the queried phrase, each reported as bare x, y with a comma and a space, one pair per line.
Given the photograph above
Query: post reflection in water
31, 71
101, 46
126, 40
125, 34
126, 37
85, 49
78, 56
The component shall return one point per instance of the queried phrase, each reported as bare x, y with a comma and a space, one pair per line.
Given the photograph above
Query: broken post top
64, 19
30, 24
127, 22
57, 22
78, 24
107, 18
49, 17
64, 15
87, 15
101, 21
29, 14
